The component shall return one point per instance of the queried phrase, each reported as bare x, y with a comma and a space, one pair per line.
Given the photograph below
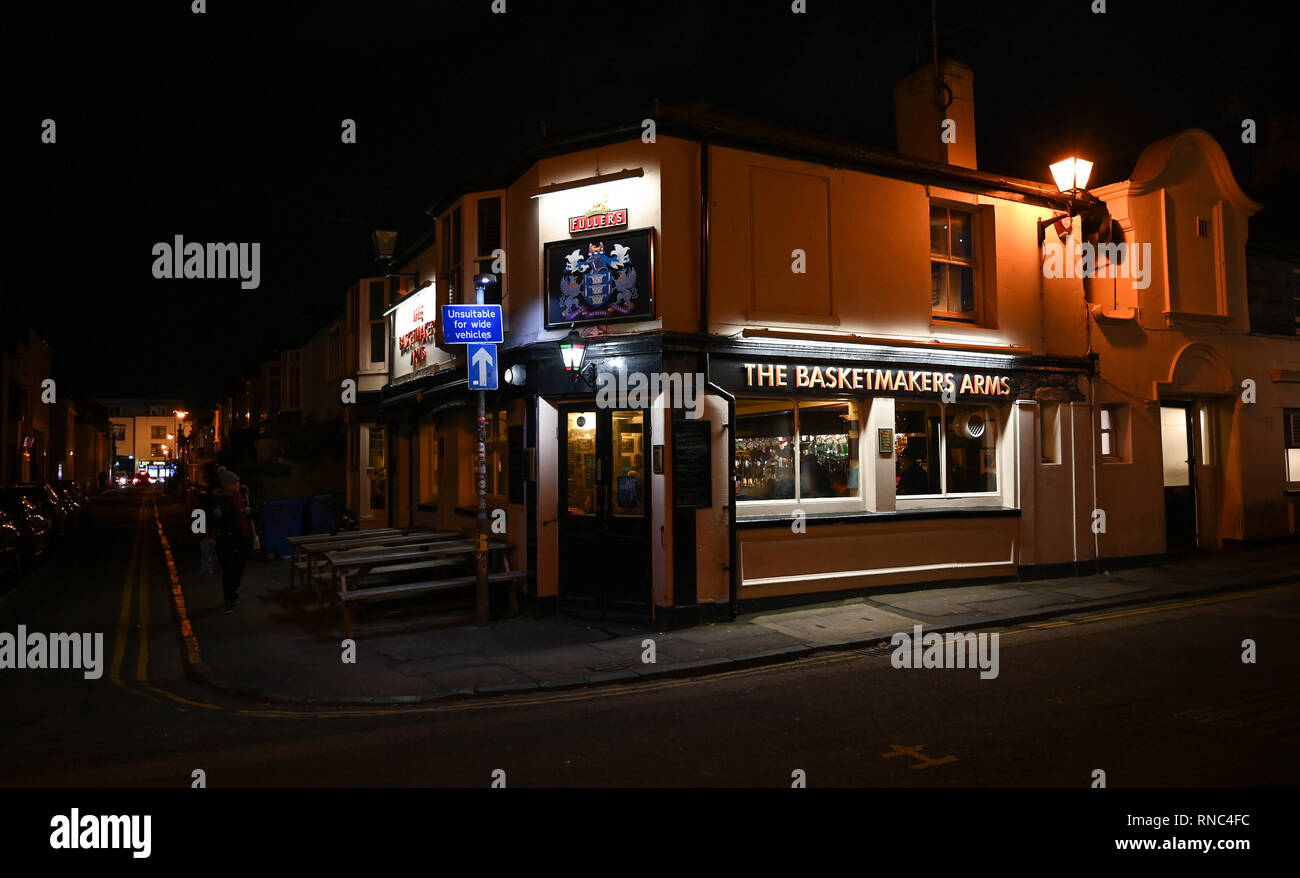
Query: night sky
225, 127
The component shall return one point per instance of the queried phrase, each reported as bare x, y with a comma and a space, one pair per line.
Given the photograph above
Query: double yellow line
135, 587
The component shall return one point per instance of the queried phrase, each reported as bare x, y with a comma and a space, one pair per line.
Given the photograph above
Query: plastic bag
208, 555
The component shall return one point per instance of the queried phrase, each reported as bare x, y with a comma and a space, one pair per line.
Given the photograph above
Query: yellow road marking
1158, 608
124, 614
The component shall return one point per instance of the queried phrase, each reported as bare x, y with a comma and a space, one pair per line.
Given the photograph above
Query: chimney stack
919, 114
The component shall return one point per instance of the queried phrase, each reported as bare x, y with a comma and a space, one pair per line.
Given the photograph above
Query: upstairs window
376, 306
954, 280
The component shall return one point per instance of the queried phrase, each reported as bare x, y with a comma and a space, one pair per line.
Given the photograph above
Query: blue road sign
470, 324
482, 362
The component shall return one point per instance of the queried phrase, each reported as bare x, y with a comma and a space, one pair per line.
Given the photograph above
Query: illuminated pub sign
414, 325
598, 219
600, 279
863, 377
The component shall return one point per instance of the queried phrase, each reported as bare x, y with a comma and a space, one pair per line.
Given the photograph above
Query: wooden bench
515, 577
315, 568
297, 545
351, 568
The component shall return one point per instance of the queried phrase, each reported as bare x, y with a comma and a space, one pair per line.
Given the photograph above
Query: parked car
33, 527
47, 502
77, 507
11, 546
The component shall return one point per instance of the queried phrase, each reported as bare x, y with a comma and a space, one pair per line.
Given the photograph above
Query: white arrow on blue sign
482, 362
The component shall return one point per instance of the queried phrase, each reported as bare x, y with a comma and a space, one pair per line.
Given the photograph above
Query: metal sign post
479, 328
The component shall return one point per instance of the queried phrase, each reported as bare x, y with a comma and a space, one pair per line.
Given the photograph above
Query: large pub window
796, 451
954, 281
944, 450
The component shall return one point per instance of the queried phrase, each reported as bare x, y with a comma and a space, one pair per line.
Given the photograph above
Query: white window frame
963, 500
811, 504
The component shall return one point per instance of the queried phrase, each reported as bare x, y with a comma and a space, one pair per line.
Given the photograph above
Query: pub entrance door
1177, 436
604, 514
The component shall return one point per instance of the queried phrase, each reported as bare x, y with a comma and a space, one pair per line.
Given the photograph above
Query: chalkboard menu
692, 465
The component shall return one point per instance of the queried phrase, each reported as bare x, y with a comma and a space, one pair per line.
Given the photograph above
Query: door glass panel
629, 463
581, 449
1173, 441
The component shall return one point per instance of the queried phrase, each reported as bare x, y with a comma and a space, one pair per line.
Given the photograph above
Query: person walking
232, 514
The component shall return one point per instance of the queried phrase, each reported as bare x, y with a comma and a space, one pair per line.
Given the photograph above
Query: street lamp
1071, 177
572, 352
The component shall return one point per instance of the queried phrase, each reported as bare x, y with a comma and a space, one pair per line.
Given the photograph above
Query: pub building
887, 388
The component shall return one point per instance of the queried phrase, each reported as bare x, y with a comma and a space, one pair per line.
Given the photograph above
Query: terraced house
892, 387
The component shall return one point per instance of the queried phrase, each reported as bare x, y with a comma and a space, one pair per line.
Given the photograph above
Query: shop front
862, 468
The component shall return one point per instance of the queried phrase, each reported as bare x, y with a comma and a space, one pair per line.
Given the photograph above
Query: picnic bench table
352, 567
313, 554
298, 544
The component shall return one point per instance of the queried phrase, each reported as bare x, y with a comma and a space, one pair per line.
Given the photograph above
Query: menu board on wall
692, 465
602, 279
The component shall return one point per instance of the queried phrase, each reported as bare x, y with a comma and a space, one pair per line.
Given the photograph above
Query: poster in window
602, 279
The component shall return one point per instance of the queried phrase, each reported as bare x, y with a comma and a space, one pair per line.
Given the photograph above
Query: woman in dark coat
232, 520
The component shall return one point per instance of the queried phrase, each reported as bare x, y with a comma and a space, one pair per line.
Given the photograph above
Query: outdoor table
354, 566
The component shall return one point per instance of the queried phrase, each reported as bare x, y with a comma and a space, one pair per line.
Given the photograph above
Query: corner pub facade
891, 389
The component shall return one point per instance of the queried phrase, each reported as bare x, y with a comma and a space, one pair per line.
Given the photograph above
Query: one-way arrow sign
482, 366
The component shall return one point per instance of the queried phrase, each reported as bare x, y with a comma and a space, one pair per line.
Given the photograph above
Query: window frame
779, 506
953, 499
976, 318
1290, 442
1118, 432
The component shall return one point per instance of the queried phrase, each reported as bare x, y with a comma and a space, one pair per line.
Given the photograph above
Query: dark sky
225, 127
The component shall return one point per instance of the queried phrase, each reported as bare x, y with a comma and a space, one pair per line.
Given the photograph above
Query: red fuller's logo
598, 219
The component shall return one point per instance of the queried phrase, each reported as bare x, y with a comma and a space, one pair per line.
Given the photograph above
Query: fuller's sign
874, 378
598, 220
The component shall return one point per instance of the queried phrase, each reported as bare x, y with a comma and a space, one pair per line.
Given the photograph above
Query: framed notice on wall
692, 465
602, 279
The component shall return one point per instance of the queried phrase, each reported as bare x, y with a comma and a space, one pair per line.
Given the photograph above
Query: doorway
1177, 441
604, 513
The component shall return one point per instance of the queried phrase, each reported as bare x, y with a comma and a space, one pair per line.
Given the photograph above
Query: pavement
279, 647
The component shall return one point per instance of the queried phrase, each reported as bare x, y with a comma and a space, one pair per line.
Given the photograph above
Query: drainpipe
733, 572
1092, 423
704, 236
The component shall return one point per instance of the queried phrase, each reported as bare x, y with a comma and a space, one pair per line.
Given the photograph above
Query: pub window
953, 264
155, 451
1112, 426
796, 451
944, 450
157, 431
376, 305
1291, 427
